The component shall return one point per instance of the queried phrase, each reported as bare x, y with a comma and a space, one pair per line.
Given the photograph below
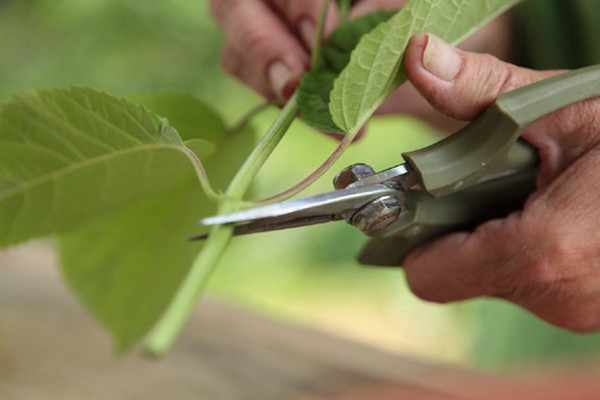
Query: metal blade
266, 226
332, 204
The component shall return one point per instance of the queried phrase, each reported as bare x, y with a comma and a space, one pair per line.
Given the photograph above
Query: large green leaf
120, 186
375, 71
193, 118
314, 89
126, 267
70, 156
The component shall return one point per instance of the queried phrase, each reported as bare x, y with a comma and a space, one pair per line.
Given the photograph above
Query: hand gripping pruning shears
481, 172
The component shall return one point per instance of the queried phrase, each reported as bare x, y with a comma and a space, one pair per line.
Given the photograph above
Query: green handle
427, 218
488, 148
481, 172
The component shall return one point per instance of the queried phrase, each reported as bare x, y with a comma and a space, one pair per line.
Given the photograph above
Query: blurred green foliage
120, 47
306, 275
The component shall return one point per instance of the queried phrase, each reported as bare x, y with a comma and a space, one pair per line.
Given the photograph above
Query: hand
267, 41
267, 46
545, 258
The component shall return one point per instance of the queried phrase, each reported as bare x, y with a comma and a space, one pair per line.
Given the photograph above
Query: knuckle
499, 77
542, 275
508, 80
552, 254
583, 119
543, 270
256, 43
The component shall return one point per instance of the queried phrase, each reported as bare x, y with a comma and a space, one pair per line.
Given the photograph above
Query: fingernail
307, 30
441, 59
279, 76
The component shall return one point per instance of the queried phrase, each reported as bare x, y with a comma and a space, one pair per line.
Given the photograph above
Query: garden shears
481, 172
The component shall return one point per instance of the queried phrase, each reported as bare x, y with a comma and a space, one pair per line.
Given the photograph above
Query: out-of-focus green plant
120, 182
129, 48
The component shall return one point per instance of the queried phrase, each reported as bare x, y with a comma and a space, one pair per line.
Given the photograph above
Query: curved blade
332, 204
265, 226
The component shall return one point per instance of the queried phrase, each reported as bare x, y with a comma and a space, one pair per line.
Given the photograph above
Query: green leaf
193, 118
70, 156
314, 89
375, 71
127, 267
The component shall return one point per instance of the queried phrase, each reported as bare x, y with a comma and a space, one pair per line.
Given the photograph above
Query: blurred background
308, 276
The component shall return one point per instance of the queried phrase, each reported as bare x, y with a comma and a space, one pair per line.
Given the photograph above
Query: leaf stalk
166, 330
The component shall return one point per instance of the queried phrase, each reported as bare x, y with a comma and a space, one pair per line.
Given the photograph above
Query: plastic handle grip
488, 147
428, 218
483, 171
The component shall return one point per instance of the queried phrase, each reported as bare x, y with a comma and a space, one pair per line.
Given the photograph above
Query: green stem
318, 40
344, 10
164, 333
203, 177
316, 174
263, 149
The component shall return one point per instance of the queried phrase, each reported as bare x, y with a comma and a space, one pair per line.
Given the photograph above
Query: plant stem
164, 333
203, 177
318, 40
263, 149
166, 330
344, 10
316, 174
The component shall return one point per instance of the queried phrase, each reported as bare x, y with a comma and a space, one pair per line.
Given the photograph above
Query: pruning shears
481, 172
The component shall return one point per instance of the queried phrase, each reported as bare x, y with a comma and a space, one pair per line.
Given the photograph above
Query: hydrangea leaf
69, 156
119, 185
374, 70
314, 89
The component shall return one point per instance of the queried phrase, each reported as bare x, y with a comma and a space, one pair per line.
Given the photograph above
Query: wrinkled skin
545, 258
267, 47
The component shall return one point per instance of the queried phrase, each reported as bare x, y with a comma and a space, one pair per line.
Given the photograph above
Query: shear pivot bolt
377, 215
352, 174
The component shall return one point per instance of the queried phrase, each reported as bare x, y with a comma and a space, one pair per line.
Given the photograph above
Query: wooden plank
51, 349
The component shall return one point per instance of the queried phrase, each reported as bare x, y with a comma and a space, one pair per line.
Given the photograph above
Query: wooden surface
51, 349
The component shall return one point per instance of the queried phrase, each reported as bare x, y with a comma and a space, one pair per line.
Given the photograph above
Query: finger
528, 258
460, 266
273, 57
564, 285
459, 83
417, 106
544, 258
235, 64
302, 16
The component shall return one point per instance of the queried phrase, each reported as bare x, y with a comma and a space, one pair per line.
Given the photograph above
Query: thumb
459, 83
